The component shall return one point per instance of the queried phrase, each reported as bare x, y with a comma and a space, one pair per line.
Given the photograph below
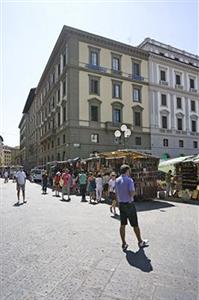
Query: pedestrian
44, 182
14, 176
91, 187
112, 193
67, 184
56, 183
20, 184
125, 191
106, 178
5, 176
82, 182
168, 178
99, 187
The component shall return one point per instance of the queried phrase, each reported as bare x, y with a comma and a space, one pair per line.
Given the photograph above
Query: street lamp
125, 131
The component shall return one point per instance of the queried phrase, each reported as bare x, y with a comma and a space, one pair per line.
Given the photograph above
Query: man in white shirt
21, 180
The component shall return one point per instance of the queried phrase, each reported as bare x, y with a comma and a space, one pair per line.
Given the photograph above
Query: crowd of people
120, 190
98, 187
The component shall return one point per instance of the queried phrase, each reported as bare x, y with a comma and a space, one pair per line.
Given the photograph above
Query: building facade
91, 85
5, 156
28, 129
174, 99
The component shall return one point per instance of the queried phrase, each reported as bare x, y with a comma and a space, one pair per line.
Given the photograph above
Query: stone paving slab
54, 250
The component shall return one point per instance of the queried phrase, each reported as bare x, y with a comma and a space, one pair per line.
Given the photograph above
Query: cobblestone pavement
54, 250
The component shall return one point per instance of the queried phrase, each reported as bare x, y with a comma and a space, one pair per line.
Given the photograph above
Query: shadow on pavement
117, 217
17, 204
151, 205
139, 260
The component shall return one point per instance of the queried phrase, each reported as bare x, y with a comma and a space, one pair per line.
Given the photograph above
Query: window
181, 143
52, 144
53, 102
193, 105
195, 144
193, 125
64, 138
64, 114
165, 142
64, 59
59, 69
94, 86
116, 115
192, 83
136, 69
178, 79
179, 123
162, 75
94, 57
58, 95
138, 141
64, 88
164, 122
58, 156
163, 99
54, 77
95, 138
116, 90
63, 155
136, 94
94, 113
58, 119
115, 63
179, 102
137, 118
58, 141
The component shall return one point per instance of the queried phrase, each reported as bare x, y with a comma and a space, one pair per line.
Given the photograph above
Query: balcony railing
193, 90
179, 86
136, 77
163, 82
96, 68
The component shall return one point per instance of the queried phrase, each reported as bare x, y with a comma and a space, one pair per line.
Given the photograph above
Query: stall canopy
165, 166
125, 153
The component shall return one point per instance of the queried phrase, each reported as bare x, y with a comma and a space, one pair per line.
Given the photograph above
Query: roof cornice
168, 60
70, 32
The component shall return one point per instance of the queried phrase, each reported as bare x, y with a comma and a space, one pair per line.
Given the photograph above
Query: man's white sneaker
143, 243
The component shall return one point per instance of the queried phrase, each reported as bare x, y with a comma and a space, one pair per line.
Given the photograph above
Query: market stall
144, 169
185, 171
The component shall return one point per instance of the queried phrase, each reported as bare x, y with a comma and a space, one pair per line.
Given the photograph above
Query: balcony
193, 133
163, 82
179, 86
136, 77
111, 125
96, 68
193, 90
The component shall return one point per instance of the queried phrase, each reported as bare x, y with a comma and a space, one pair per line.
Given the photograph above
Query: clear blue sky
29, 30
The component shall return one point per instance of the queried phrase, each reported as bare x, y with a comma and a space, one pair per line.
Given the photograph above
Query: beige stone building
90, 86
5, 156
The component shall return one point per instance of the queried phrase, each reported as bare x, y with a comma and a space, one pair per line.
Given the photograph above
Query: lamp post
124, 131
